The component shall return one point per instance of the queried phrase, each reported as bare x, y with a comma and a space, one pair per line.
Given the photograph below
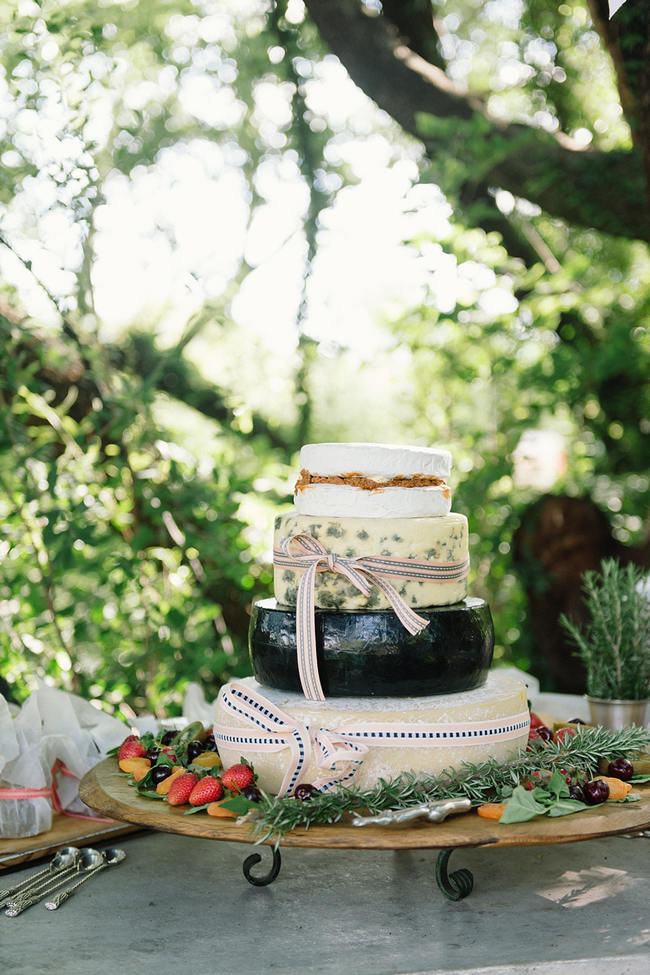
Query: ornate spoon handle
42, 886
28, 898
69, 891
21, 904
8, 891
64, 860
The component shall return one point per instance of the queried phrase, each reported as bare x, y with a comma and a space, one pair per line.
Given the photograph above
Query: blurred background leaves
215, 247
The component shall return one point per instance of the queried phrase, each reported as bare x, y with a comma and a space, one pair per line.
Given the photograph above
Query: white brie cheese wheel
389, 502
374, 459
378, 463
490, 722
440, 540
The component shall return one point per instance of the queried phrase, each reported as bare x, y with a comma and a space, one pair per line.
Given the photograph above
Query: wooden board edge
450, 834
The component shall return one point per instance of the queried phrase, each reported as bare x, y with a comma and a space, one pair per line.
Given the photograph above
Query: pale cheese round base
501, 697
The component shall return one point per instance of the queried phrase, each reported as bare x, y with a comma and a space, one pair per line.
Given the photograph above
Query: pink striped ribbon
310, 557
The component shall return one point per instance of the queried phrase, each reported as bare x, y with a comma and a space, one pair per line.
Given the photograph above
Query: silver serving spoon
64, 859
89, 860
111, 856
44, 884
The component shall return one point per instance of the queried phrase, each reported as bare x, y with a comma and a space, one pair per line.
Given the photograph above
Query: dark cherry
575, 792
577, 721
543, 732
152, 753
194, 748
621, 768
252, 793
159, 773
209, 744
168, 737
595, 792
305, 791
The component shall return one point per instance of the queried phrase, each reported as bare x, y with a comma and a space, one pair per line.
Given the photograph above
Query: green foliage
572, 356
139, 476
615, 643
126, 566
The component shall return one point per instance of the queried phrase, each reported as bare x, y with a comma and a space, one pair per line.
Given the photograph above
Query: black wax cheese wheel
371, 653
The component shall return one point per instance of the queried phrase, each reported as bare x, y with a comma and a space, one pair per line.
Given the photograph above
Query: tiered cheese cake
371, 660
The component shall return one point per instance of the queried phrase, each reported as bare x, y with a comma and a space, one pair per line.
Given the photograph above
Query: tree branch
171, 372
627, 39
413, 20
603, 190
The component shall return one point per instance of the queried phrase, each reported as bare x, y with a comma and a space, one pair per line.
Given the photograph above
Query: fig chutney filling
358, 480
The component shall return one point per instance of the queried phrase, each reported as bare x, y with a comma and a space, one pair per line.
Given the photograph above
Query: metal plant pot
616, 715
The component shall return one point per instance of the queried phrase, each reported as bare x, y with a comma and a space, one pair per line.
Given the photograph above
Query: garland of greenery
481, 782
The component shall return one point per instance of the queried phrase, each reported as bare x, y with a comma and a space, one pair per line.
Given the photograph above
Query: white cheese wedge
443, 539
491, 722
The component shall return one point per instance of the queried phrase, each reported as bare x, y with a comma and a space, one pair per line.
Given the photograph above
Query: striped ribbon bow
271, 730
310, 557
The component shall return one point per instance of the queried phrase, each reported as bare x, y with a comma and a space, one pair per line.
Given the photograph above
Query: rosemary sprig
614, 642
479, 782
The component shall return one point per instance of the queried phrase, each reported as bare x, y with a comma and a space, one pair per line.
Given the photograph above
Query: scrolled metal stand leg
456, 885
267, 878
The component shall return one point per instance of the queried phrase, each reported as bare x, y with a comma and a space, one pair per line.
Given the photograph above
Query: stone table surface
182, 905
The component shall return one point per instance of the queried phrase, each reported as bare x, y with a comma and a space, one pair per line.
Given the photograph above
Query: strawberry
131, 747
181, 789
541, 731
207, 789
237, 777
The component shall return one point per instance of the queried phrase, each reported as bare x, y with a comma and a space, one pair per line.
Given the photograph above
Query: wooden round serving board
107, 791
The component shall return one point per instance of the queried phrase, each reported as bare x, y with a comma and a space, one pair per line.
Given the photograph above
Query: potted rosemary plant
614, 644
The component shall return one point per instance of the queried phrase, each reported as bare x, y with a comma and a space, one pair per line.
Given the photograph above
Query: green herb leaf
557, 785
522, 806
566, 806
239, 805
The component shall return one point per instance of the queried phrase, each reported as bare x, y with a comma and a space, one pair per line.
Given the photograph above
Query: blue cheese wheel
371, 653
443, 539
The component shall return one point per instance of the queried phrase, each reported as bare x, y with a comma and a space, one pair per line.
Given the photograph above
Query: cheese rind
502, 697
442, 539
374, 460
371, 653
